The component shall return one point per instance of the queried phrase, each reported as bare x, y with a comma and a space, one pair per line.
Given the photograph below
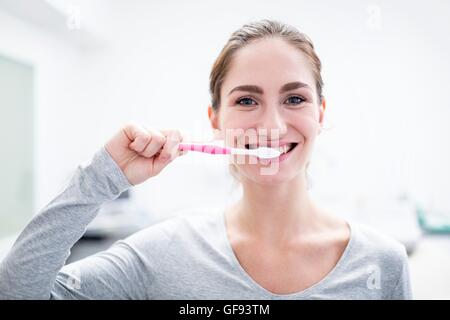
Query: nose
273, 122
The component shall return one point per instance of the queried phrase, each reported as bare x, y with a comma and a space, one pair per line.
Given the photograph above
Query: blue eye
295, 100
246, 101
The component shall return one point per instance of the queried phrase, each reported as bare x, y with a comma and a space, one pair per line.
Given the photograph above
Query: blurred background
72, 72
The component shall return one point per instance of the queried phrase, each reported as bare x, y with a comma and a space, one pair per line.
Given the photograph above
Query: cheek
307, 125
233, 126
235, 120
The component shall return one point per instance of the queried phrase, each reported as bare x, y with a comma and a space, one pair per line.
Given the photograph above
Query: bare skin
294, 263
142, 153
283, 241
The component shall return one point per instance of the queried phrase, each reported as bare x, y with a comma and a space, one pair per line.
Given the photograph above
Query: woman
274, 243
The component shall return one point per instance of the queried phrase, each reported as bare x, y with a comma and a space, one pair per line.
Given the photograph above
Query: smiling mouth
288, 147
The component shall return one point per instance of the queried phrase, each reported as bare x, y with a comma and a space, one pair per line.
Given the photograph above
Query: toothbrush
261, 152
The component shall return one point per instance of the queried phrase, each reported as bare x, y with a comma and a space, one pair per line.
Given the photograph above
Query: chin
271, 180
266, 175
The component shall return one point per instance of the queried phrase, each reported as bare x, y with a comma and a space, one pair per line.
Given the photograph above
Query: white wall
57, 67
385, 80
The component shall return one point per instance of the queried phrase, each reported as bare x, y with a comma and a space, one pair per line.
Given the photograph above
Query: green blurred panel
17, 145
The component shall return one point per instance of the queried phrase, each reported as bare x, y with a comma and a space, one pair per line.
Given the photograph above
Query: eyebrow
255, 89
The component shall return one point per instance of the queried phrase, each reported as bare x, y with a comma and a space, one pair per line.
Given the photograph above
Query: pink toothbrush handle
211, 149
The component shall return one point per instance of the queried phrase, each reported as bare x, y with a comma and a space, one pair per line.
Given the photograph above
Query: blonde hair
251, 32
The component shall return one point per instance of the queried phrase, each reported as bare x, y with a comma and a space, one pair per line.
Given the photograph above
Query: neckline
305, 292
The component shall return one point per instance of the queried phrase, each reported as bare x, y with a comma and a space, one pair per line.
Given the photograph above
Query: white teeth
282, 149
285, 148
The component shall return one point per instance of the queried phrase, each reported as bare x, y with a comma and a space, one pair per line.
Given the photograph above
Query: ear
213, 118
322, 108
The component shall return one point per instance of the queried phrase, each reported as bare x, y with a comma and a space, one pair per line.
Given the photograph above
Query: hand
141, 152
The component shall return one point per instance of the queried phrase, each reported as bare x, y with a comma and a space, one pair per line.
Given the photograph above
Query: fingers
182, 137
170, 149
138, 136
155, 144
148, 142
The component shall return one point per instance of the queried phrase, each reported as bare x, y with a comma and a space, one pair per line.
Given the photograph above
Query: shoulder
378, 251
174, 241
377, 244
182, 224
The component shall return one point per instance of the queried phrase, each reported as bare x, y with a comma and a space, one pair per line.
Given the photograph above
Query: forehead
269, 63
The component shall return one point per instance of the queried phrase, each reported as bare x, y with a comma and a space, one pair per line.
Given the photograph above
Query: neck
275, 212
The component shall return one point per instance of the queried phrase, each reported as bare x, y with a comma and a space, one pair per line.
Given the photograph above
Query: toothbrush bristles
267, 153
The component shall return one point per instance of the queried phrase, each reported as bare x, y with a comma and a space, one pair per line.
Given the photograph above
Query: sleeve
118, 273
402, 290
33, 269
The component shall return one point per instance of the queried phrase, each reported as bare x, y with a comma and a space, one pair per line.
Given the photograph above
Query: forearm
31, 267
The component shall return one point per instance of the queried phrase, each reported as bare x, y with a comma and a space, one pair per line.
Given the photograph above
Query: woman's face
268, 98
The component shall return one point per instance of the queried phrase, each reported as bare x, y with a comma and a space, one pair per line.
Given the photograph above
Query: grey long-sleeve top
187, 256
